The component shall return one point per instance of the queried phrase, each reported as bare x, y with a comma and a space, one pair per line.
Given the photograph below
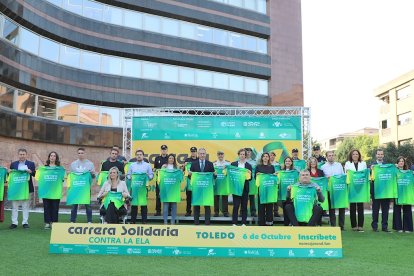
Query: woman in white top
354, 163
113, 184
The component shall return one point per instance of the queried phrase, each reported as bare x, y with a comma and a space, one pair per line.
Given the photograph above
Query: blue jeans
165, 207
74, 212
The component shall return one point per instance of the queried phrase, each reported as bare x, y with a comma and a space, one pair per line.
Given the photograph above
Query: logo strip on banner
212, 241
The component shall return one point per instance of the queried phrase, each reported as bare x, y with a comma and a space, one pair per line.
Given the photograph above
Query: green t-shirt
79, 188
237, 176
18, 185
139, 183
203, 190
115, 197
338, 191
221, 185
102, 177
385, 181
299, 164
268, 187
252, 182
322, 182
358, 185
304, 198
50, 181
3, 175
286, 178
405, 187
169, 182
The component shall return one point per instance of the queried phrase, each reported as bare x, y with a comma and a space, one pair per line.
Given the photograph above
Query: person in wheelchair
113, 197
302, 199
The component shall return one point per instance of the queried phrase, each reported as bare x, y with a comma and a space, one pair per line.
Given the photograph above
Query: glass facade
100, 63
168, 26
253, 5
46, 107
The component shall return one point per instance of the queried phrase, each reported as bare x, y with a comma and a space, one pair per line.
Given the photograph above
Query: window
69, 56
204, 78
67, 111
404, 141
29, 41
249, 43
6, 96
111, 65
236, 83
403, 93
74, 6
131, 68
263, 87
152, 23
250, 85
187, 76
170, 27
110, 116
404, 119
220, 81
10, 31
49, 50
46, 107
93, 10
150, 71
169, 73
89, 114
132, 19
112, 15
384, 124
262, 46
204, 34
220, 37
235, 40
25, 103
90, 61
188, 30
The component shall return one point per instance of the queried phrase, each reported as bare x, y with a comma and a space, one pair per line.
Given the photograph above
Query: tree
392, 152
367, 145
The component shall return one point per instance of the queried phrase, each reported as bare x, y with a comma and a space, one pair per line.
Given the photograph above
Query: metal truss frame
262, 111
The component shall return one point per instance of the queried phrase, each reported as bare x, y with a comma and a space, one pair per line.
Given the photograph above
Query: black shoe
13, 226
342, 229
188, 214
169, 214
226, 215
26, 226
386, 230
254, 215
157, 214
375, 229
216, 214
276, 215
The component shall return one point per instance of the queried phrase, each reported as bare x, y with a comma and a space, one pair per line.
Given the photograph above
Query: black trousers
188, 201
224, 204
286, 220
406, 223
252, 205
265, 213
353, 208
112, 214
207, 215
276, 209
240, 202
384, 204
332, 215
51, 210
289, 211
157, 199
134, 214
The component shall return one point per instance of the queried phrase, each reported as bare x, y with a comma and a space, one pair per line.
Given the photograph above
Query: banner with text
206, 241
279, 134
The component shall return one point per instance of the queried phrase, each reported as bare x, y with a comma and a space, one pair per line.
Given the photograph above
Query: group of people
296, 182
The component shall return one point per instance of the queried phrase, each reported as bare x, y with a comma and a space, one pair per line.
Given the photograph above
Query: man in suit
23, 165
383, 203
202, 165
241, 201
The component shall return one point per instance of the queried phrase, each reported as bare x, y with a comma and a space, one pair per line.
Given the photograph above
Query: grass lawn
25, 252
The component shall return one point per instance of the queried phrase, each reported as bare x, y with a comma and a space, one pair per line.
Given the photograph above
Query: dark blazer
31, 166
208, 167
247, 166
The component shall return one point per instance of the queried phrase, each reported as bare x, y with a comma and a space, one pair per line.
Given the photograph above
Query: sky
350, 48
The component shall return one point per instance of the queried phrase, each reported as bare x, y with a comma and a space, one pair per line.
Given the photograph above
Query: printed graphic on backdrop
279, 134
189, 241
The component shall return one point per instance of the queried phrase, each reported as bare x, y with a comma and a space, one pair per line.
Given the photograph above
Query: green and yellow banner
200, 241
50, 181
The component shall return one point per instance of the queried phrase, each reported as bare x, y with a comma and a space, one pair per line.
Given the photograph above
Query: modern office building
333, 143
68, 66
396, 110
